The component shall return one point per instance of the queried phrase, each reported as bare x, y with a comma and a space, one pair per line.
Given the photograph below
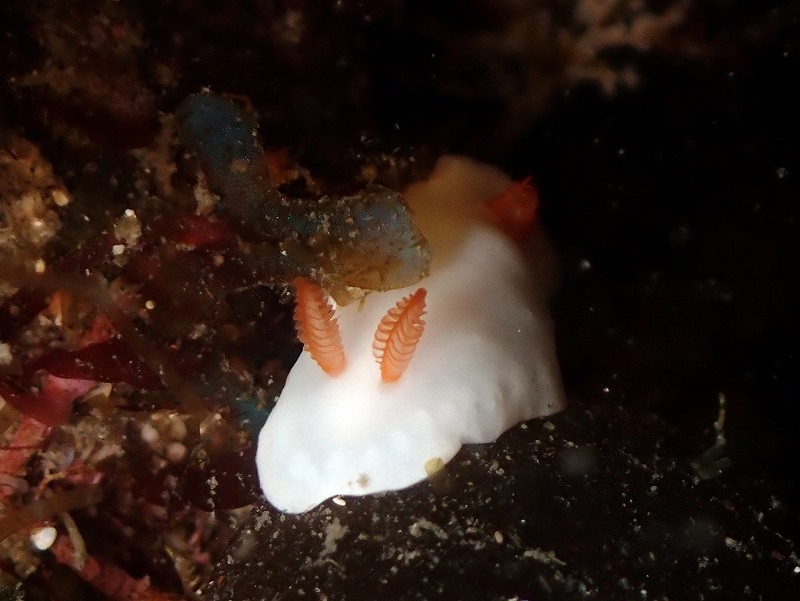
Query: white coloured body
485, 362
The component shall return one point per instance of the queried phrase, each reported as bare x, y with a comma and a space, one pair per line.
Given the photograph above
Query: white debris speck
5, 354
60, 197
39, 266
333, 533
175, 452
545, 557
206, 200
149, 434
43, 538
339, 501
127, 228
118, 249
417, 528
262, 519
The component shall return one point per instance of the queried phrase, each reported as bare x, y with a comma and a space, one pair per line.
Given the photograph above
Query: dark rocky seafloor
674, 206
591, 504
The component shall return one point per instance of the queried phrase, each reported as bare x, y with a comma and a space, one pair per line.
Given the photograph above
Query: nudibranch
381, 393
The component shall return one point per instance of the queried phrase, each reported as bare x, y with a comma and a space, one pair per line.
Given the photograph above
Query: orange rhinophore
398, 334
514, 209
317, 328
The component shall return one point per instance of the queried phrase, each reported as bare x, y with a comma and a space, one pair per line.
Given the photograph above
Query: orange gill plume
317, 328
398, 334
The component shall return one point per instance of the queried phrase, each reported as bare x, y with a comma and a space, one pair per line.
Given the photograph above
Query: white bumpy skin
486, 360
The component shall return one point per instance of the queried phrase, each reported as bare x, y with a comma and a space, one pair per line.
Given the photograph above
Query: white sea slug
481, 360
